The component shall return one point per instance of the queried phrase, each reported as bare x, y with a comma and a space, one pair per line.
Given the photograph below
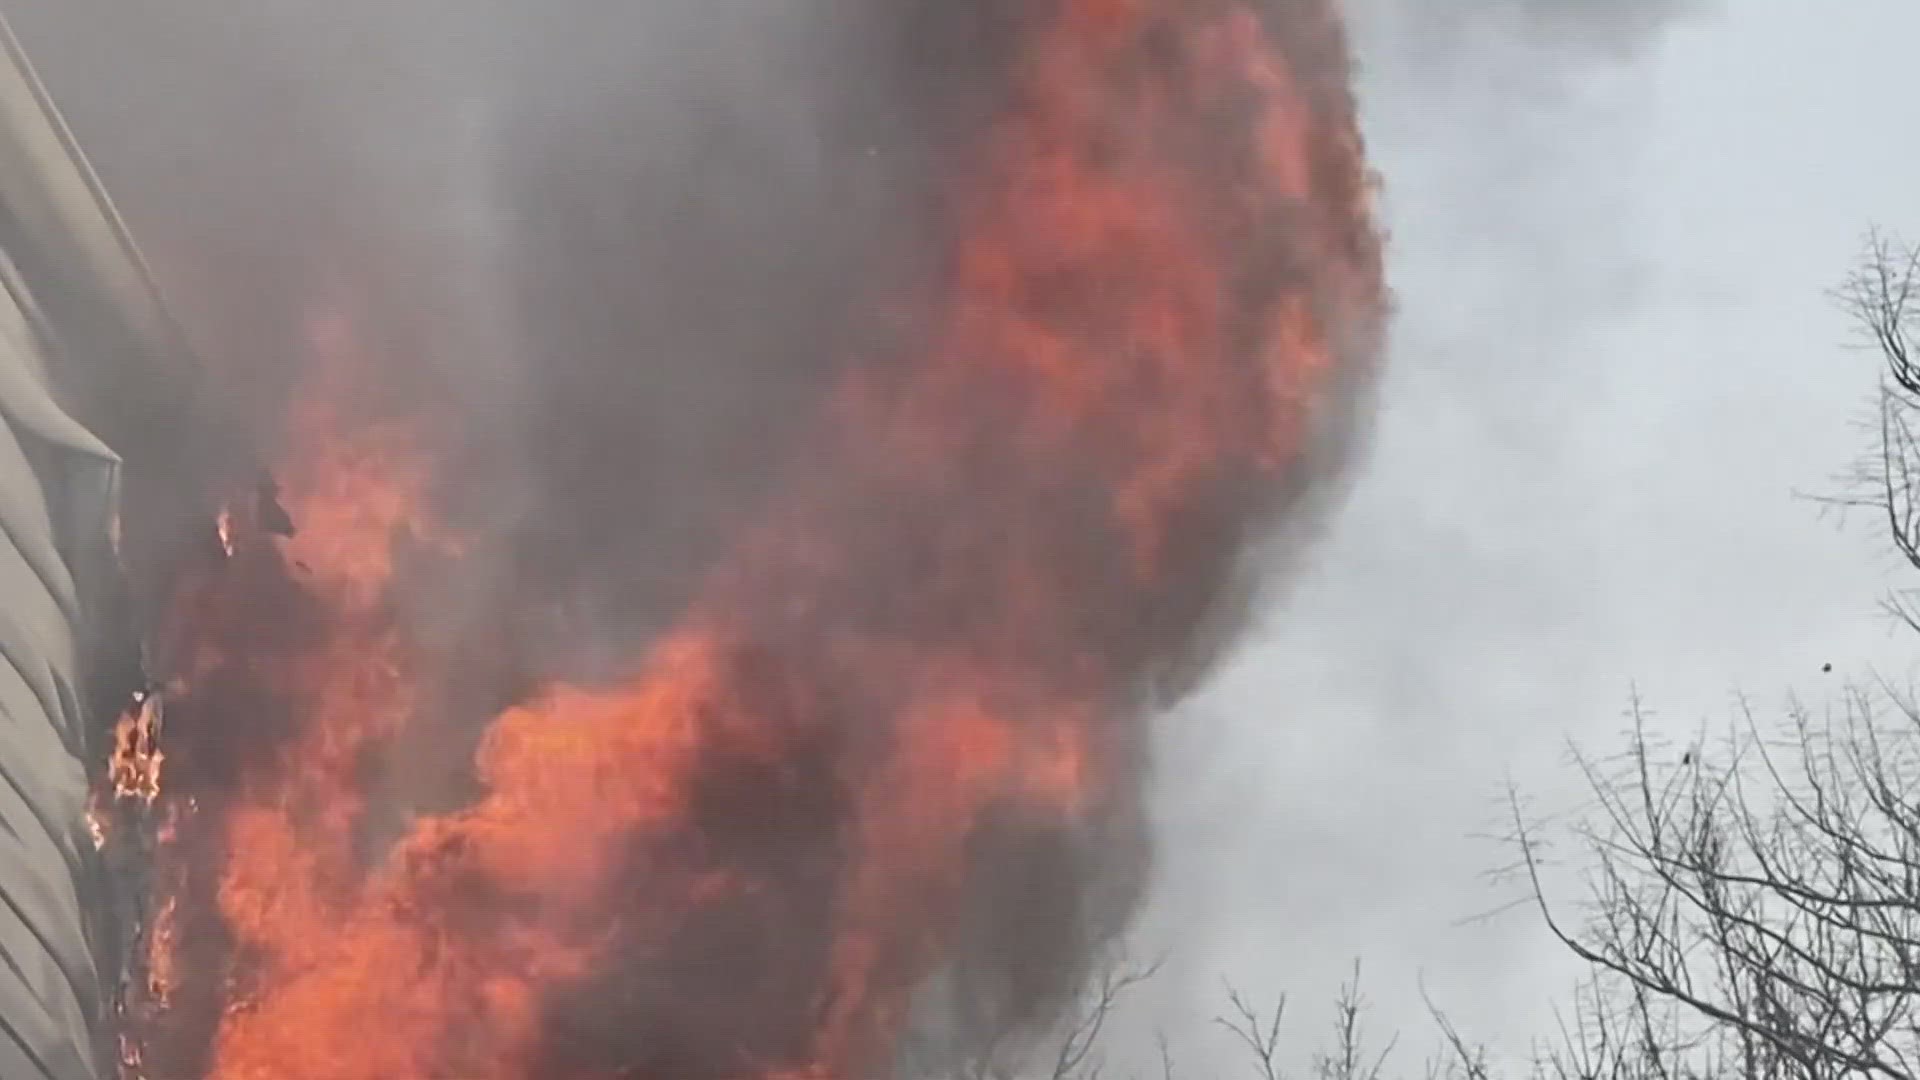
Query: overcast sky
1612, 368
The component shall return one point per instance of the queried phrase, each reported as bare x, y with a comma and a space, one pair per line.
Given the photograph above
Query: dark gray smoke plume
634, 243
663, 212
653, 207
629, 237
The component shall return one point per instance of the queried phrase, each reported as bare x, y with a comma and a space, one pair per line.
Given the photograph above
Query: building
92, 376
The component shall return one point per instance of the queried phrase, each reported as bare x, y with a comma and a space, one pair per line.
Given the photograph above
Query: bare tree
1770, 891
1761, 898
1612, 1031
1603, 1036
1349, 1055
1882, 295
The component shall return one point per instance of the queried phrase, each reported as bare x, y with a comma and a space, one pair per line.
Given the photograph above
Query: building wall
57, 486
89, 376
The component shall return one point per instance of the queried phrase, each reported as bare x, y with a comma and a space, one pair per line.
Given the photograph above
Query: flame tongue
745, 859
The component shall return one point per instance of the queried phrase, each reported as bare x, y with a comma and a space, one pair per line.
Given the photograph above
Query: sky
1612, 368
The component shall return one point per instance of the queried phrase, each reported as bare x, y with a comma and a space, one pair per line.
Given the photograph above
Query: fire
746, 857
133, 770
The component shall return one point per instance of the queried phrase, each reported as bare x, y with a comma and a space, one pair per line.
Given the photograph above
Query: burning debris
133, 769
897, 733
260, 514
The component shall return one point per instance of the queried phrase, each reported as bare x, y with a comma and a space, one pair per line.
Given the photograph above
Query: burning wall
780, 636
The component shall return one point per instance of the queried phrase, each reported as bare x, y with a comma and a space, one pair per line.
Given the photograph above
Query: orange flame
133, 770
950, 611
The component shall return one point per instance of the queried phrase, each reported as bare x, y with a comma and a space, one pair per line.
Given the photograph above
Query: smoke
1568, 31
665, 211
629, 252
1511, 136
